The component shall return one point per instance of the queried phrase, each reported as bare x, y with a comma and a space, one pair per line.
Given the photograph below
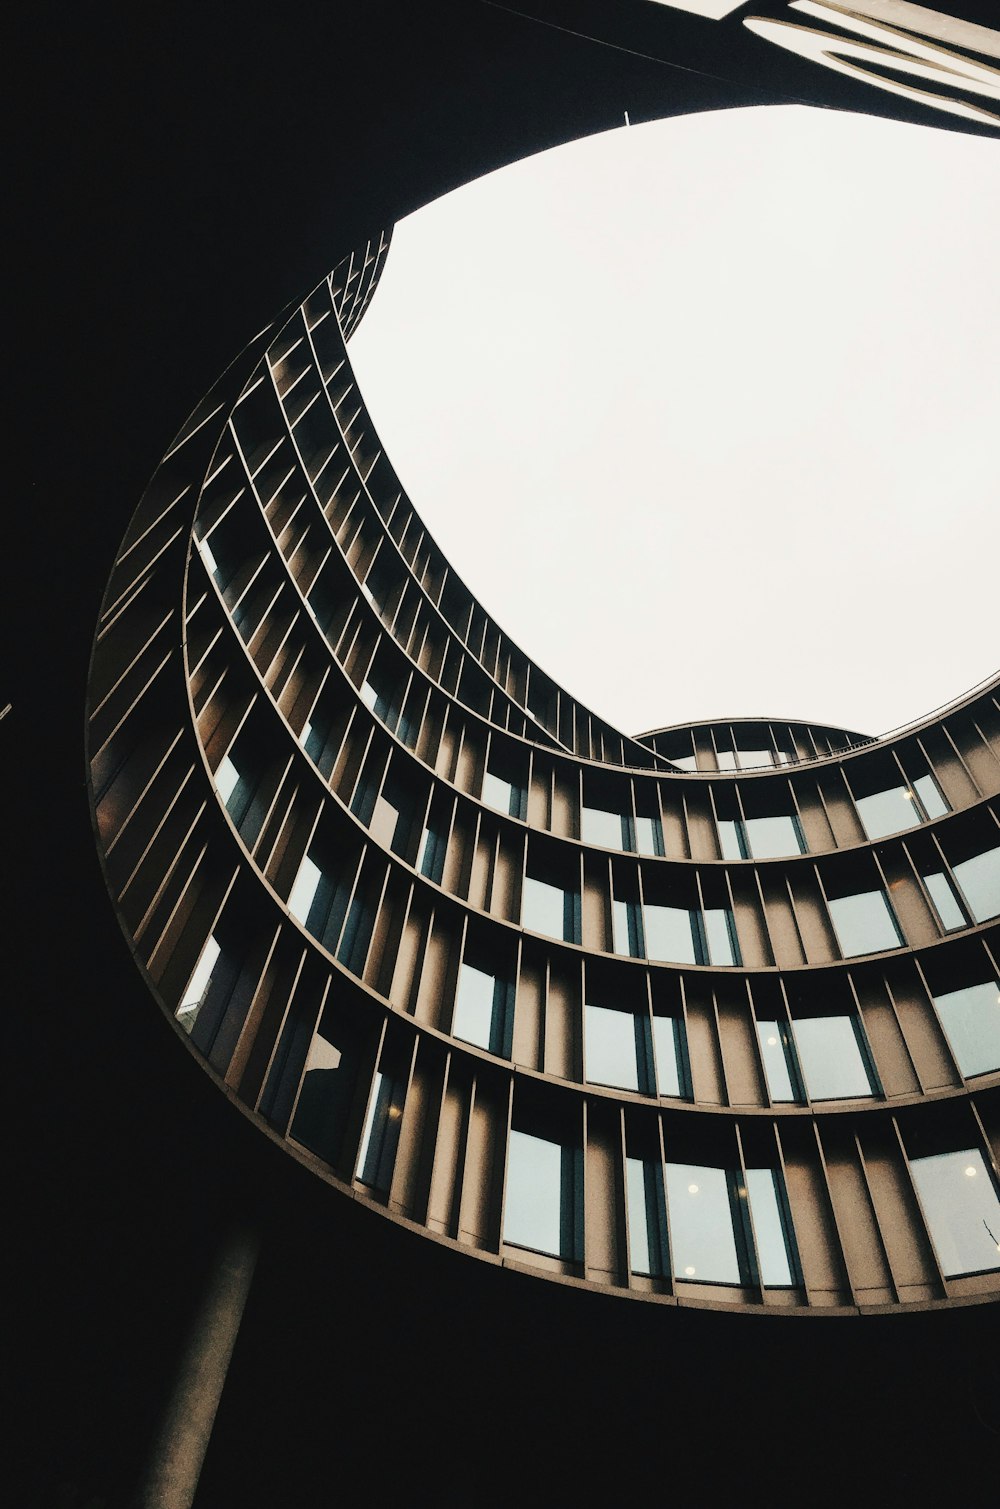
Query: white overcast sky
706, 412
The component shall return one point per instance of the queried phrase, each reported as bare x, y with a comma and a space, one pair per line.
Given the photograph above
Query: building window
899, 807
626, 929
677, 935
647, 1227
773, 837
543, 1204
702, 1234
227, 778
888, 811
205, 551
380, 1137
324, 1100
503, 795
942, 894
649, 835
550, 910
617, 1049
971, 1022
777, 1266
864, 924
962, 1211
303, 892
672, 934
673, 1077
761, 837
834, 1057
780, 1066
979, 881
482, 1010
431, 853
609, 830
720, 936
197, 987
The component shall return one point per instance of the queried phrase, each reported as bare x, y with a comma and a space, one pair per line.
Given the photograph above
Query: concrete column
179, 1448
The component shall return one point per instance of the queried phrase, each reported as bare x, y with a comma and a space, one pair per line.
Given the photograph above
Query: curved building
596, 1103
709, 1015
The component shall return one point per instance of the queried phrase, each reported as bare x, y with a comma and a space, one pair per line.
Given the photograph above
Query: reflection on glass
833, 1064
626, 929
670, 934
930, 796
779, 1060
197, 987
962, 1210
480, 1003
720, 935
944, 899
501, 795
547, 909
864, 924
731, 840
971, 1020
726, 759
887, 811
671, 1057
613, 1047
701, 1224
751, 759
648, 835
771, 1228
226, 779
610, 830
685, 762
304, 890
773, 837
323, 1101
646, 1224
979, 879
380, 1137
539, 1204
430, 855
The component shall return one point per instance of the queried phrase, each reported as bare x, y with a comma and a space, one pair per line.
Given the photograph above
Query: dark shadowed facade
599, 1104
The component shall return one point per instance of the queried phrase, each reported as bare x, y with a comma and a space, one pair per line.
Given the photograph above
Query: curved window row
724, 1034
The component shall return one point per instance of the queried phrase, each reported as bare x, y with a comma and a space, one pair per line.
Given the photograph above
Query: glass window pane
534, 1190
669, 934
751, 758
887, 811
773, 837
943, 897
645, 1216
720, 933
864, 924
475, 1007
685, 762
304, 890
610, 1047
833, 1065
962, 1210
197, 986
971, 1020
380, 1138
701, 1224
625, 929
324, 1100
648, 835
668, 1050
226, 778
726, 759
729, 840
543, 908
774, 1261
500, 795
776, 1051
979, 879
930, 796
430, 856
603, 828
